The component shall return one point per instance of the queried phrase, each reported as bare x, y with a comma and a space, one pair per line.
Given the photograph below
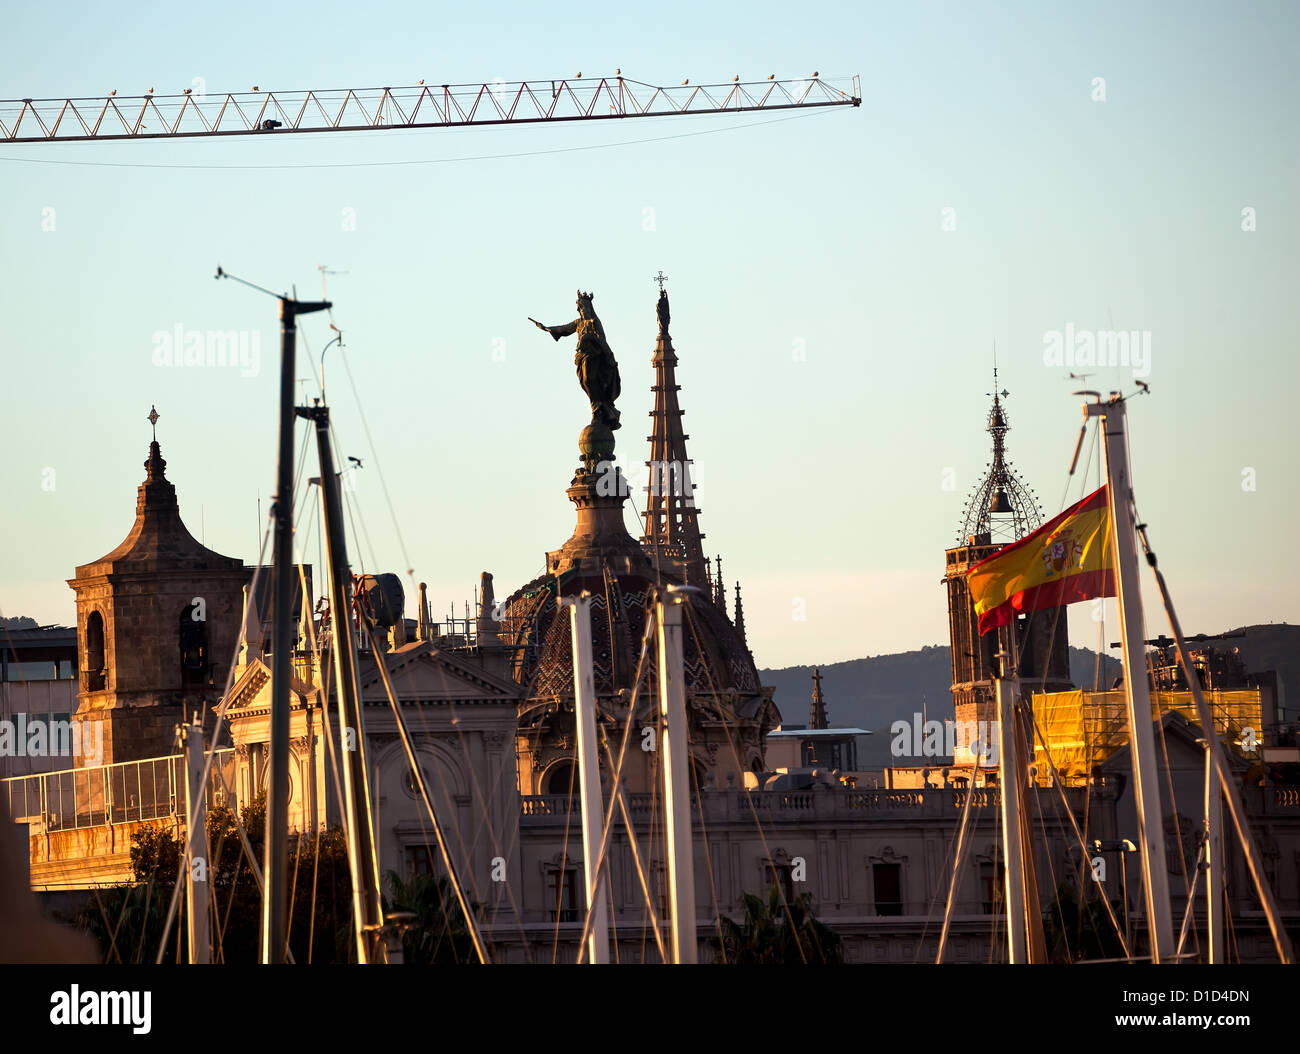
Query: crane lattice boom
258, 112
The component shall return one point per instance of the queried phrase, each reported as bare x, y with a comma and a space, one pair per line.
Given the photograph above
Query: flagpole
1146, 778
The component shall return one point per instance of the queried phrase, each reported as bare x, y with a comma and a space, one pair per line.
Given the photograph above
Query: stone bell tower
1001, 509
158, 620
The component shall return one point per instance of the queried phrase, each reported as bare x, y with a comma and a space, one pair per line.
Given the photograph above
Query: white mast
196, 861
1146, 775
677, 790
584, 709
1213, 858
1009, 777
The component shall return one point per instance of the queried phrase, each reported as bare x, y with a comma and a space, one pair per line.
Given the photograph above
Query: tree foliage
777, 932
438, 932
128, 920
1075, 932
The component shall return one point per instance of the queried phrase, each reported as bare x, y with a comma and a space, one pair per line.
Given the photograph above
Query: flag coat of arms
1066, 560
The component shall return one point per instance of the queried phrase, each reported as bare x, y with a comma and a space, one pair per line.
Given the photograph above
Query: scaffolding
1083, 728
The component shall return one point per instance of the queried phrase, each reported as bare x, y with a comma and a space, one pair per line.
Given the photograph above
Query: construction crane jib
257, 112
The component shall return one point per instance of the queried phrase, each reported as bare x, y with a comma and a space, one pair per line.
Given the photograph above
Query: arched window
96, 675
194, 647
562, 779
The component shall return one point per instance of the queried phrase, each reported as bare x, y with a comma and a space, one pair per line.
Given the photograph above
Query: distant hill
873, 692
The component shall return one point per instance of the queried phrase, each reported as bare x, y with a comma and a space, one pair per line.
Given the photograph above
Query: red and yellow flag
1066, 560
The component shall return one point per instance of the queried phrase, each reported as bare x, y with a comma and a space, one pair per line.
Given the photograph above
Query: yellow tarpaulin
1082, 728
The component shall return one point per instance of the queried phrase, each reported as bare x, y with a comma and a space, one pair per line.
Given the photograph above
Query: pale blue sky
819, 479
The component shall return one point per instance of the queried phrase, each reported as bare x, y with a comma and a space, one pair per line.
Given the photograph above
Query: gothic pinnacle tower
672, 538
1001, 509
1001, 506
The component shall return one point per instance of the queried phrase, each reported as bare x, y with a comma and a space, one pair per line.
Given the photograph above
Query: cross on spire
661, 278
153, 420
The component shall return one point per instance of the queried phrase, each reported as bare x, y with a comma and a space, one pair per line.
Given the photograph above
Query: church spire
672, 538
817, 713
739, 621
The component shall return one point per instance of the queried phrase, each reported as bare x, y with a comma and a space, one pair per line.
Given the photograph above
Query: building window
782, 875
419, 861
96, 675
564, 894
194, 649
992, 884
887, 883
659, 885
835, 754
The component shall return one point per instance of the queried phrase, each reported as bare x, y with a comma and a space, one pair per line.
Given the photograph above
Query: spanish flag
1066, 560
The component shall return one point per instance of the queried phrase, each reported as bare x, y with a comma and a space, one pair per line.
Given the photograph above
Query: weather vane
153, 420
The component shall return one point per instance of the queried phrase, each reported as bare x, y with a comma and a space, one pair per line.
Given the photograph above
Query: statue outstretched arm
567, 330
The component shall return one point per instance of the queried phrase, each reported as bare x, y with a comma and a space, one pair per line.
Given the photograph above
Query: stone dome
716, 659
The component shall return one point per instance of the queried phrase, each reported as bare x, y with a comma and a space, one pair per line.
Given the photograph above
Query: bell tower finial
1000, 508
153, 420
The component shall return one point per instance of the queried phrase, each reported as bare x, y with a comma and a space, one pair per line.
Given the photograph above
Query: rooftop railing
125, 792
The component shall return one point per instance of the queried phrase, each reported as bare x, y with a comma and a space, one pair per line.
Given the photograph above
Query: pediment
251, 682
421, 672
252, 690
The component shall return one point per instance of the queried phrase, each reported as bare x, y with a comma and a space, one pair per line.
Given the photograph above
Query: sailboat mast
1142, 747
196, 861
677, 789
1213, 859
584, 712
274, 896
1007, 686
367, 912
1227, 787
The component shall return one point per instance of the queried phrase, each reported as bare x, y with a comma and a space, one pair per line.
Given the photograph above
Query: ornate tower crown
1001, 507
